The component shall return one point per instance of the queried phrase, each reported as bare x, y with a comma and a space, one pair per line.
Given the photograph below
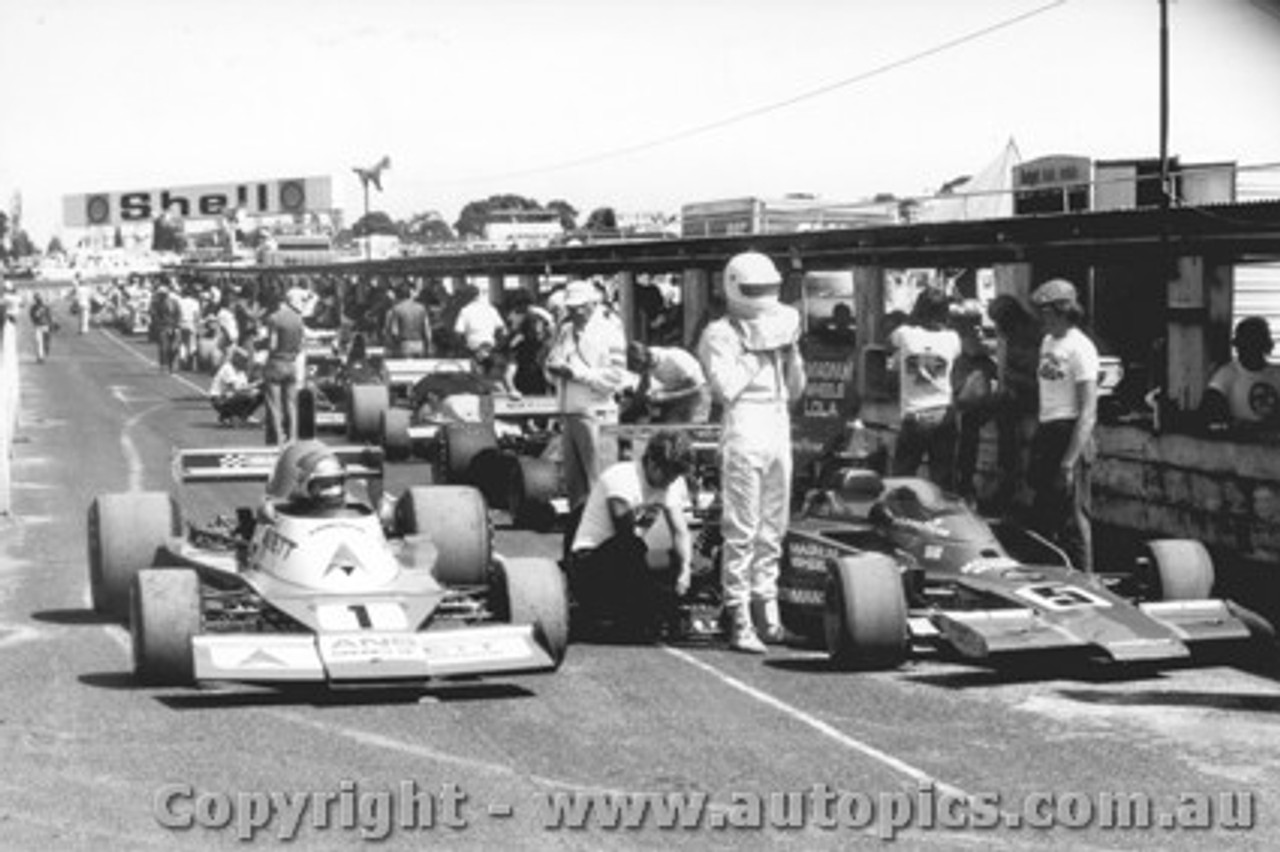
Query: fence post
8, 397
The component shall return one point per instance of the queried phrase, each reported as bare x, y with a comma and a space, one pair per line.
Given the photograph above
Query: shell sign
278, 197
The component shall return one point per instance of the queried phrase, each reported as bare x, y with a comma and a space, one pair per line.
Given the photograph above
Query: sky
640, 106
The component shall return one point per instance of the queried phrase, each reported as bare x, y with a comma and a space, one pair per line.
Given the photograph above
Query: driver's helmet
309, 473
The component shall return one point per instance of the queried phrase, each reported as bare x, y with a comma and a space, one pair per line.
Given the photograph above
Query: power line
766, 108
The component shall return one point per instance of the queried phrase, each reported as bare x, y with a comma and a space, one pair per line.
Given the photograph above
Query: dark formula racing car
340, 593
873, 567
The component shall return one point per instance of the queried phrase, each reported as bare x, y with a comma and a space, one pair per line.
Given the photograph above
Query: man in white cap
587, 363
1062, 449
753, 364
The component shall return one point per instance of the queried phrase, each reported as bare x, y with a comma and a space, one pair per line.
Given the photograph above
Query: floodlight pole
1165, 193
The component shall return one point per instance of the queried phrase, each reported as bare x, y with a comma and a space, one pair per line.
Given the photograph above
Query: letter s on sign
135, 206
163, 809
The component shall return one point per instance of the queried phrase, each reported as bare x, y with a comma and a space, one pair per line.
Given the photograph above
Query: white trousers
755, 478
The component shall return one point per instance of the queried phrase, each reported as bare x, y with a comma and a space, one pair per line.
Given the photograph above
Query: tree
476, 215
4, 227
374, 222
568, 215
427, 228
602, 221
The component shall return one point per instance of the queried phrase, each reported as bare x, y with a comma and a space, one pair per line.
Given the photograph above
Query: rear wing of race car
404, 372
250, 464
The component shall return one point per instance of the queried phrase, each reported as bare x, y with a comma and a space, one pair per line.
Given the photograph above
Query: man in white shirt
480, 324
587, 362
233, 395
1062, 448
926, 350
672, 384
630, 557
1246, 392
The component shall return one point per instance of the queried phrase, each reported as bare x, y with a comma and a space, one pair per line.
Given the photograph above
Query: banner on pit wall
830, 398
277, 197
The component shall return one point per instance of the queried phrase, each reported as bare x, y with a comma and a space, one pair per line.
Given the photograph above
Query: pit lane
99, 416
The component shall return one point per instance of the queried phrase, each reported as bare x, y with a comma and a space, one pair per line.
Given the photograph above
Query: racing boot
768, 623
742, 633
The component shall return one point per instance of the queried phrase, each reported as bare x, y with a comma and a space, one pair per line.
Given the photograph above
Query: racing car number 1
379, 615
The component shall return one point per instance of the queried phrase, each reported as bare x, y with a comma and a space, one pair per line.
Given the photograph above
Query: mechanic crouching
634, 517
755, 369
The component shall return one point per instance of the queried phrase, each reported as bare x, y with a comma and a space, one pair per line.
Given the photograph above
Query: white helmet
751, 284
309, 473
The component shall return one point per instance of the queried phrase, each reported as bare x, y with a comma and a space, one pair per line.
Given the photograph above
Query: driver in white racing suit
755, 370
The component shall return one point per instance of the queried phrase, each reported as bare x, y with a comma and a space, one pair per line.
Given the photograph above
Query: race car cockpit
310, 480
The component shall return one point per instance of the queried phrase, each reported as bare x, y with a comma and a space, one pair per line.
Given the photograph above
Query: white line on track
136, 466
133, 458
808, 719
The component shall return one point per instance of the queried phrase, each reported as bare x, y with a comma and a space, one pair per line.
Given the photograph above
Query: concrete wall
1225, 493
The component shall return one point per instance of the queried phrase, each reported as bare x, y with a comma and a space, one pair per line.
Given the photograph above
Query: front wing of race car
369, 655
1074, 616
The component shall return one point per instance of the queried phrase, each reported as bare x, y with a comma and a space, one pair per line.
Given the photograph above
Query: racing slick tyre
459, 444
491, 470
457, 521
125, 533
532, 591
306, 414
865, 619
532, 485
1182, 569
365, 404
395, 434
164, 616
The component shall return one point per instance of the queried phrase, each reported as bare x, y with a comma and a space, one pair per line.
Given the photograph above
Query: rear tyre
365, 404
865, 616
491, 470
395, 434
125, 533
459, 444
165, 616
532, 485
1182, 569
306, 414
535, 594
457, 521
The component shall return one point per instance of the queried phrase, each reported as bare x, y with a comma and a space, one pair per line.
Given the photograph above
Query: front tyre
865, 613
534, 593
165, 617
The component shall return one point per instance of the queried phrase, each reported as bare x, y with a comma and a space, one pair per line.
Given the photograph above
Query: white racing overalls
755, 370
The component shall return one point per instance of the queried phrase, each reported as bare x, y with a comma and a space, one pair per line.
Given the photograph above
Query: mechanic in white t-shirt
925, 351
630, 557
1062, 448
672, 385
1245, 393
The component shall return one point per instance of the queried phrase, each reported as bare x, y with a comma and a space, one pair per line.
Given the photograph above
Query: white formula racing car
315, 585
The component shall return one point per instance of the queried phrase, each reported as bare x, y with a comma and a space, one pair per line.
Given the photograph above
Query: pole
1165, 194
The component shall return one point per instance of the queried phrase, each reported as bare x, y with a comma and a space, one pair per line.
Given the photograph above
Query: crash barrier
8, 409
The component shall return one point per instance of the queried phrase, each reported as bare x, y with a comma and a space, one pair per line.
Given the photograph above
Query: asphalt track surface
87, 753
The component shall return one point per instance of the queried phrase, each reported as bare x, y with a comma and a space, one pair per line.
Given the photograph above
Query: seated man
632, 515
233, 395
309, 480
1245, 394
